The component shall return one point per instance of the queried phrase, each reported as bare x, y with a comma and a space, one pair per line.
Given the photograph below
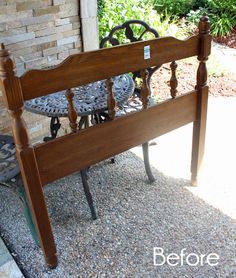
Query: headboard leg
199, 131
13, 97
199, 126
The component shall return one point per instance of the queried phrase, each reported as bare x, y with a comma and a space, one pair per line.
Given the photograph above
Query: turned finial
3, 51
204, 25
7, 65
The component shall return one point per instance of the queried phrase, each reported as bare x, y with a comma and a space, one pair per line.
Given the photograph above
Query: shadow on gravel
134, 217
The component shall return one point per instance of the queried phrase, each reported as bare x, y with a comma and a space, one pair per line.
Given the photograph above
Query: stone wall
38, 33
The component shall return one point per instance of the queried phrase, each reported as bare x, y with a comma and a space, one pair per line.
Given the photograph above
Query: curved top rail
96, 65
129, 33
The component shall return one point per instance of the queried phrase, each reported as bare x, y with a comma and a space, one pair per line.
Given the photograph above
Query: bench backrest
52, 160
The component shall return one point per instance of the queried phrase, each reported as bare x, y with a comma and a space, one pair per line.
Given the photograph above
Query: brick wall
38, 33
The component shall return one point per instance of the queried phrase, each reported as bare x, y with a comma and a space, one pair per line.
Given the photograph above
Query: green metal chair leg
17, 187
20, 191
28, 215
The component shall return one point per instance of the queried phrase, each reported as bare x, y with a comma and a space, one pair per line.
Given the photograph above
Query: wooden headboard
79, 150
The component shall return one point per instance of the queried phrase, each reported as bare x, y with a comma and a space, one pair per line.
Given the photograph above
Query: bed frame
80, 149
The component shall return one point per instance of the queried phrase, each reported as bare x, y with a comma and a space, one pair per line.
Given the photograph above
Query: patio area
134, 216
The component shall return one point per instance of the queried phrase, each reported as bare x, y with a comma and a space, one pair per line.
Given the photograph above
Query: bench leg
88, 195
54, 128
146, 162
199, 131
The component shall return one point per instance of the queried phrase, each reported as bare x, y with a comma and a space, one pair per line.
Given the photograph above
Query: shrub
222, 15
115, 12
112, 13
174, 7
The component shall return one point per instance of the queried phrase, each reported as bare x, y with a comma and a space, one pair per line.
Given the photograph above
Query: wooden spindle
199, 127
72, 113
173, 79
145, 92
111, 102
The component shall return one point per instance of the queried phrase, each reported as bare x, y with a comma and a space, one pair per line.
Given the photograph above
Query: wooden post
199, 126
12, 94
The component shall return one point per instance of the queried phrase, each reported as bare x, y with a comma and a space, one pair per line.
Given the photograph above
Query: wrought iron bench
82, 148
132, 31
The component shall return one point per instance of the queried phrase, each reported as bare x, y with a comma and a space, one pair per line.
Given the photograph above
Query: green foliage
222, 15
112, 13
194, 15
174, 7
164, 14
222, 25
115, 12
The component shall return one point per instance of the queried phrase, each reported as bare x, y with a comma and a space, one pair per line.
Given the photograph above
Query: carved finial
173, 79
204, 25
145, 92
3, 51
111, 102
7, 65
72, 113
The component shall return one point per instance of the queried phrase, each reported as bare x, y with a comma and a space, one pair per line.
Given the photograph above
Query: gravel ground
134, 217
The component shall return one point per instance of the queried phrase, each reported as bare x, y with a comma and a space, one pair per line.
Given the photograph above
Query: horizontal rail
73, 152
101, 64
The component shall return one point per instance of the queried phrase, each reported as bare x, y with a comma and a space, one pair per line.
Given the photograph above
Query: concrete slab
8, 267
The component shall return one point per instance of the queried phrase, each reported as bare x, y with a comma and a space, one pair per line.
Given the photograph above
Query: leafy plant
112, 13
222, 15
194, 15
222, 25
174, 7
115, 12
